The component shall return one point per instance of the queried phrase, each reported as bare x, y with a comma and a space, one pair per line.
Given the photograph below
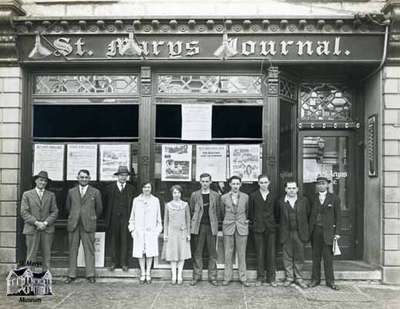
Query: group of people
297, 219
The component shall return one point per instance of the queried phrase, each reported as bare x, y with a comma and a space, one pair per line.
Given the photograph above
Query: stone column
10, 134
391, 150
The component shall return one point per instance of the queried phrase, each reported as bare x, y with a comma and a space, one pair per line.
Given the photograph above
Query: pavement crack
62, 300
157, 296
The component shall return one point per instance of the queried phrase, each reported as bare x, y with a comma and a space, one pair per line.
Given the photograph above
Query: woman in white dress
176, 233
145, 226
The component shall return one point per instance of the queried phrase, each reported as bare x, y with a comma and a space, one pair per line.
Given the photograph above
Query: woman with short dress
145, 226
176, 233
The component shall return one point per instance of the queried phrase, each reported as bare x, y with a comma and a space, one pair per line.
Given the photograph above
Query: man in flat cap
119, 197
39, 212
324, 228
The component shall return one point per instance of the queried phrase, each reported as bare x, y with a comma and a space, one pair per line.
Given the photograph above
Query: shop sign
274, 47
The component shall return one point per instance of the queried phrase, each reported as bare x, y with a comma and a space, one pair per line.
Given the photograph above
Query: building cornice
246, 25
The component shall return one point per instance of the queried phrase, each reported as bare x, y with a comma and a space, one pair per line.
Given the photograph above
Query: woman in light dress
176, 233
145, 226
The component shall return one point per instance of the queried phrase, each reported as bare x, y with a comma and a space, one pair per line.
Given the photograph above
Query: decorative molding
145, 81
272, 81
392, 11
8, 50
359, 24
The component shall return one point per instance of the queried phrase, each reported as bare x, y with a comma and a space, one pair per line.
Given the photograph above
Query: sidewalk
127, 293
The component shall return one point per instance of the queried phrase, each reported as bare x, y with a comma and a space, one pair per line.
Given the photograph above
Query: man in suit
263, 218
205, 211
324, 228
294, 232
39, 212
84, 206
119, 197
235, 227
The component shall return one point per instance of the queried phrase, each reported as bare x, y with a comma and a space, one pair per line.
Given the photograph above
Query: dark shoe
333, 286
194, 282
69, 280
287, 283
313, 284
302, 284
112, 267
91, 279
214, 282
245, 284
125, 268
225, 283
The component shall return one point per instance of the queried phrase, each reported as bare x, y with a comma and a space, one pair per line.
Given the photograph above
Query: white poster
211, 159
99, 250
245, 161
81, 156
49, 158
176, 162
196, 122
111, 157
311, 170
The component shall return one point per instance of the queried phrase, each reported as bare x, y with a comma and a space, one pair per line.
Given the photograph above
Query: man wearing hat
119, 197
39, 212
324, 228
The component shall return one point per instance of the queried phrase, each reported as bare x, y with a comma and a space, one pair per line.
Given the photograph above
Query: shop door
331, 154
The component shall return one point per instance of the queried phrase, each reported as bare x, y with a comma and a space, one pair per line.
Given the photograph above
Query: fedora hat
42, 174
122, 169
323, 178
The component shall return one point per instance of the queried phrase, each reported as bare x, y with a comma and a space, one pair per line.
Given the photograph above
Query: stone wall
10, 148
391, 175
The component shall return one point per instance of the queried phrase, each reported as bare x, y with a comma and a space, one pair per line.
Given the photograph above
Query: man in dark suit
119, 196
263, 218
39, 212
84, 206
235, 227
324, 228
205, 211
294, 232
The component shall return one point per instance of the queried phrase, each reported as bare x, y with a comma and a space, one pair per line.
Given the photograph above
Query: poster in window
196, 122
81, 156
99, 250
245, 161
49, 158
176, 162
311, 170
211, 159
111, 157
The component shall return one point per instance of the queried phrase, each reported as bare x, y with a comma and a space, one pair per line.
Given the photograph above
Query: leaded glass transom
287, 89
209, 84
325, 102
85, 84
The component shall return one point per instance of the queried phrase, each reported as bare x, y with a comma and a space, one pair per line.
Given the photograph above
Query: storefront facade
303, 93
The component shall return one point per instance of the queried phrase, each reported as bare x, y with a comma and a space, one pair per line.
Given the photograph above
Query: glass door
331, 154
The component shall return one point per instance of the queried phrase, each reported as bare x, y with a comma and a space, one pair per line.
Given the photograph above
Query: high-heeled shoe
148, 278
142, 279
180, 281
173, 281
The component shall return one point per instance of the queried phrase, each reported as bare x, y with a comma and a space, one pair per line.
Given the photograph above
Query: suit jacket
88, 208
330, 216
262, 213
303, 210
235, 218
110, 192
33, 209
196, 211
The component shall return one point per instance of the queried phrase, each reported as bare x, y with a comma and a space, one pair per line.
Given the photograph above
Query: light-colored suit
35, 209
235, 227
83, 214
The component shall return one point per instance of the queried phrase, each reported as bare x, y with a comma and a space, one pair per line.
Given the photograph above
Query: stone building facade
380, 92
